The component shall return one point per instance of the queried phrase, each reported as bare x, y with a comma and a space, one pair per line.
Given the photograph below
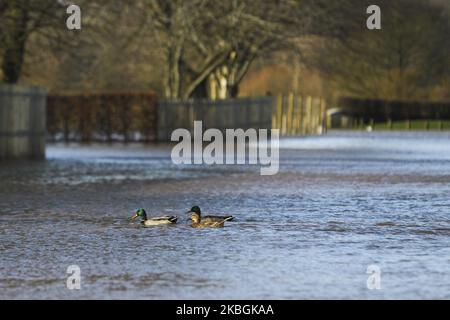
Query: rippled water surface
340, 203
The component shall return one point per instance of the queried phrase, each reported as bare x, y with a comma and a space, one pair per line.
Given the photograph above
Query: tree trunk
14, 51
201, 91
173, 77
233, 90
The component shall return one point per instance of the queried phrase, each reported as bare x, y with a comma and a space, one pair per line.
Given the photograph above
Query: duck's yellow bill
134, 217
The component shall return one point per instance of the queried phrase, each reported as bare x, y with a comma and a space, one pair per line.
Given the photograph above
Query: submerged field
340, 203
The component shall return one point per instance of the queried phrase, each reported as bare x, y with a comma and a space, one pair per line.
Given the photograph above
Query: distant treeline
102, 117
210, 49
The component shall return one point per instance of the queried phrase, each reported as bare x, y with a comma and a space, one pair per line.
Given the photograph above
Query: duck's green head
140, 213
195, 209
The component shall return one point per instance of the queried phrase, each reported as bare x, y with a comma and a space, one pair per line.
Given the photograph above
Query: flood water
340, 203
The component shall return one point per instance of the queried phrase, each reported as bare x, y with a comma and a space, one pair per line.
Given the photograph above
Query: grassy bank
432, 125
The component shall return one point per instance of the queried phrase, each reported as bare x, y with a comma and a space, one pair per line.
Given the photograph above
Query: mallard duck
207, 221
197, 222
157, 221
197, 210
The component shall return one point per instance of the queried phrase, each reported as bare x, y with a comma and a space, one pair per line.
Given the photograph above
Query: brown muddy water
340, 203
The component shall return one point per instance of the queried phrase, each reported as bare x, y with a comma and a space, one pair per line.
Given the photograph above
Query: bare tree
44, 20
401, 61
205, 48
209, 45
20, 19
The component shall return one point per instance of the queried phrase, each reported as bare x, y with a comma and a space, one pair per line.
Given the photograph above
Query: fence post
299, 109
290, 113
22, 122
278, 113
323, 115
308, 115
408, 124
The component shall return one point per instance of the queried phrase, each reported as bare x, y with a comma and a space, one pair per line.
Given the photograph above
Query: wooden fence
138, 117
22, 122
102, 117
293, 115
300, 115
221, 114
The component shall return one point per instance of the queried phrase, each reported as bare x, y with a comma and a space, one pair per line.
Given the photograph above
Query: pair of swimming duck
196, 216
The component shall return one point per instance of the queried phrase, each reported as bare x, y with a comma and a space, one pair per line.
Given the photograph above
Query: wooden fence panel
22, 122
103, 117
285, 113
